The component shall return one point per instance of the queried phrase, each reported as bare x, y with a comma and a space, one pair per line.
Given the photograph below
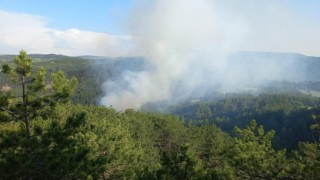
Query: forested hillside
290, 115
273, 134
76, 141
91, 71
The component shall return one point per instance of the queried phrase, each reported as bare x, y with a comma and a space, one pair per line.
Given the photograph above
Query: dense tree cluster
74, 141
290, 115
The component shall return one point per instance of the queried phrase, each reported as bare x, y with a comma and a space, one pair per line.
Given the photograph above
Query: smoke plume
191, 45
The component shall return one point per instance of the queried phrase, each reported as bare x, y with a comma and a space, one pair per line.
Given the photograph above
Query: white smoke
188, 43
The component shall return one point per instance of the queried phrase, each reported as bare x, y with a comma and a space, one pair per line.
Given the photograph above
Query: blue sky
104, 27
108, 16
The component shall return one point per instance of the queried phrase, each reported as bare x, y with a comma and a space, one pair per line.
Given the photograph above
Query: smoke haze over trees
188, 89
191, 47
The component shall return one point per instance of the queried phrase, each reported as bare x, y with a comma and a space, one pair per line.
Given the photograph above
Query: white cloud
24, 31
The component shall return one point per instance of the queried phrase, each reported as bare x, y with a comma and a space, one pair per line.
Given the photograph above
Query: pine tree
23, 104
253, 155
35, 94
180, 164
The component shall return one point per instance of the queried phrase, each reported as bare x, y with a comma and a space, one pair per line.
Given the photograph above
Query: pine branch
8, 111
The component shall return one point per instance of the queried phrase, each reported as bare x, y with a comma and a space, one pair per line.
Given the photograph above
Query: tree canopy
75, 141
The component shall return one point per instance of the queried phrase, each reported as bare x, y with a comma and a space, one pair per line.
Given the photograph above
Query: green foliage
203, 111
36, 92
69, 141
6, 68
180, 164
253, 156
307, 161
307, 158
315, 127
56, 150
23, 63
210, 145
290, 115
91, 142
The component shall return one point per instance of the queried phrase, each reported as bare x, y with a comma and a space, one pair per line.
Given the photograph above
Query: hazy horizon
187, 43
109, 28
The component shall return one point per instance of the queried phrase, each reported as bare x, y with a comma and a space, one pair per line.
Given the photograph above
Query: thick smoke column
187, 43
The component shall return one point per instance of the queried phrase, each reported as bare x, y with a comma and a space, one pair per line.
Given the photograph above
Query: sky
108, 16
106, 27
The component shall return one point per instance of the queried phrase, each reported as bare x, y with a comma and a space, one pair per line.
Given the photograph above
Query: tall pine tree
35, 91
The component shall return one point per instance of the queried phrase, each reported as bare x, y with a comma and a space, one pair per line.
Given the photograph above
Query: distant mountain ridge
304, 67
276, 55
94, 72
299, 67
61, 56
